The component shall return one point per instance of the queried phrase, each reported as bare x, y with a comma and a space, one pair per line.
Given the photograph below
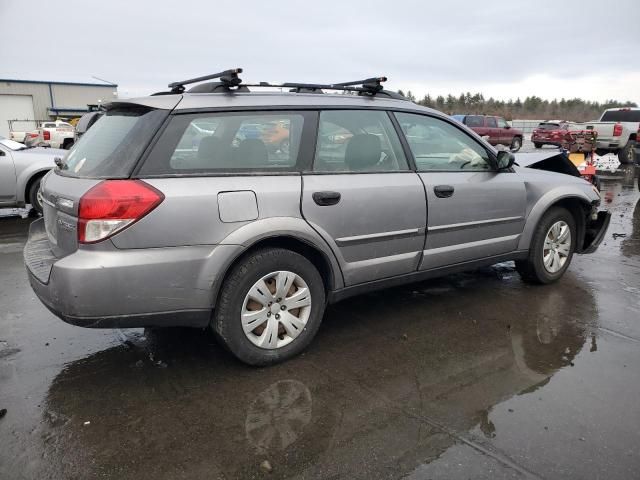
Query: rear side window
357, 141
550, 126
228, 142
474, 121
621, 116
111, 148
491, 122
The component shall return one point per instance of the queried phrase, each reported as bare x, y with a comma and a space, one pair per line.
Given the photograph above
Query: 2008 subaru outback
248, 212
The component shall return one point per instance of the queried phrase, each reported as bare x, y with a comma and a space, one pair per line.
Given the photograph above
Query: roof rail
228, 78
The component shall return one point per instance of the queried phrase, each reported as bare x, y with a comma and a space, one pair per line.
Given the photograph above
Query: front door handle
443, 191
325, 199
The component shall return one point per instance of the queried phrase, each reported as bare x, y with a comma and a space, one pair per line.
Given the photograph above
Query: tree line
533, 107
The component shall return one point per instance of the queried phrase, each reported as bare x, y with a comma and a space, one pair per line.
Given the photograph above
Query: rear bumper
127, 288
607, 144
595, 232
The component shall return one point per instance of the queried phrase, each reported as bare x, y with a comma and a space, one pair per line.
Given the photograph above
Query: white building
24, 103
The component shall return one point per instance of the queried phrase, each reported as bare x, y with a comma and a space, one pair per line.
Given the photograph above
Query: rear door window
228, 142
491, 122
113, 145
357, 140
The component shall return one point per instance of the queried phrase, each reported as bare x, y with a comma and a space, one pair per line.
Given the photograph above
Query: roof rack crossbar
371, 84
228, 78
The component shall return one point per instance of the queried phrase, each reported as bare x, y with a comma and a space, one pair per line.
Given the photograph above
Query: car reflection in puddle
393, 379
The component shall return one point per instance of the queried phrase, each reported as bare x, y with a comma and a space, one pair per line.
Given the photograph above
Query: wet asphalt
475, 375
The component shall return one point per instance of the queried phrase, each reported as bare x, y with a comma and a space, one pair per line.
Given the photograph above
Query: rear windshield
112, 146
621, 116
549, 126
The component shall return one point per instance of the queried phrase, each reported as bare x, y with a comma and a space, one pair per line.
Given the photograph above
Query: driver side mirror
505, 160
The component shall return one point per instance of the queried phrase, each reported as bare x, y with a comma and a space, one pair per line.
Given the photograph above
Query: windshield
621, 116
11, 144
112, 146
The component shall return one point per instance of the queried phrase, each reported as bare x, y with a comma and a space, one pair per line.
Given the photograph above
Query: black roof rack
230, 82
228, 78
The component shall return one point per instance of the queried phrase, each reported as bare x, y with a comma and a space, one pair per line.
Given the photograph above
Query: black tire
601, 152
67, 144
33, 195
226, 323
516, 144
533, 270
627, 154
538, 145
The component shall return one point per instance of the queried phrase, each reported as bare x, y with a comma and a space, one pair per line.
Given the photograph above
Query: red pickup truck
496, 129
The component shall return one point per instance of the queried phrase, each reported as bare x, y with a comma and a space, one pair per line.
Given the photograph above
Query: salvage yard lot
475, 375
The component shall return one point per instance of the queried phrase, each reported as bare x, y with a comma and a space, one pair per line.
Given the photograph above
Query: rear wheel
627, 154
551, 249
67, 144
270, 306
537, 145
35, 197
516, 143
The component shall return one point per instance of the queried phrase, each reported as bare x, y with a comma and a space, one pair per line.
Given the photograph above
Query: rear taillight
617, 130
112, 205
46, 135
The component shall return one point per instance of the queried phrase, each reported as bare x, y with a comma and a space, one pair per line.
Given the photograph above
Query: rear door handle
325, 199
443, 191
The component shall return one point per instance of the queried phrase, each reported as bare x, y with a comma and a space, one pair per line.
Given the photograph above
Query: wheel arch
30, 180
300, 241
577, 205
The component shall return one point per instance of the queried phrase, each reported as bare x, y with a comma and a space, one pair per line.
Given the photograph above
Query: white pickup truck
56, 134
617, 132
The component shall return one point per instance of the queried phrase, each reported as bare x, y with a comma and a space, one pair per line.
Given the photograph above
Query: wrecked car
159, 226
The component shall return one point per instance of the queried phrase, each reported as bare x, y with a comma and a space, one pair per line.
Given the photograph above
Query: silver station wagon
247, 210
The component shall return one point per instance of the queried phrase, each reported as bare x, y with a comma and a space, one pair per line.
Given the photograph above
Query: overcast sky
503, 49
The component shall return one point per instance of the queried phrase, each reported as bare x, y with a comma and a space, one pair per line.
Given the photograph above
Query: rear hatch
548, 131
109, 150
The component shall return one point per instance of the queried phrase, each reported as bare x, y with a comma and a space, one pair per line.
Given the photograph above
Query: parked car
496, 130
550, 132
140, 229
21, 170
55, 134
85, 122
617, 132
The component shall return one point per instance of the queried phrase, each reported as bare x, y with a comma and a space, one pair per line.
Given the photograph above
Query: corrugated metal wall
64, 96
75, 96
39, 92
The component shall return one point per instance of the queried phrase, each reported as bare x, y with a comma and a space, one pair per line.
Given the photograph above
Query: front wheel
270, 306
34, 195
551, 249
537, 145
516, 143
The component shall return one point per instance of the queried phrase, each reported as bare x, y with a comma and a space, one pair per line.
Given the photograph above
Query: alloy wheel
557, 245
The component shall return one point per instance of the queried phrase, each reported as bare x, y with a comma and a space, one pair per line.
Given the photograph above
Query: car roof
191, 101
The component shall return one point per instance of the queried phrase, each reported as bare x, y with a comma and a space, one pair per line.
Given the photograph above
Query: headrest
363, 151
